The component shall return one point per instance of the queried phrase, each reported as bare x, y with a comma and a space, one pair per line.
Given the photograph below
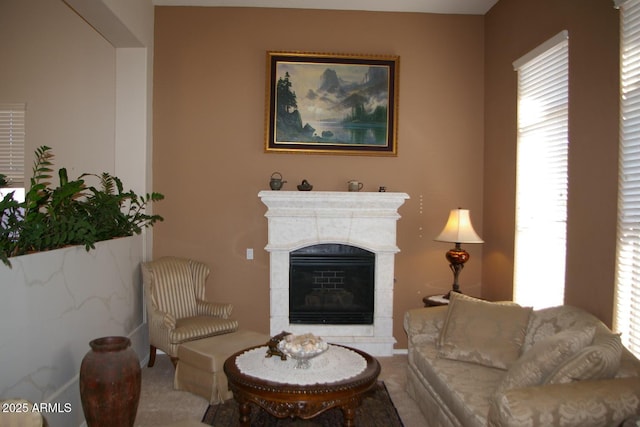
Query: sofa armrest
423, 325
579, 404
216, 309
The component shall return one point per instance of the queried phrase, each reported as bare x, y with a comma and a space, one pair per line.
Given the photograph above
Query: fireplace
331, 284
360, 221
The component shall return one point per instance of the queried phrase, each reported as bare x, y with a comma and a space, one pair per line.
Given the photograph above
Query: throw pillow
483, 332
600, 360
536, 365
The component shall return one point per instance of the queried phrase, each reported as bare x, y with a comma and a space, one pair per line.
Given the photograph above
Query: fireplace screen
331, 284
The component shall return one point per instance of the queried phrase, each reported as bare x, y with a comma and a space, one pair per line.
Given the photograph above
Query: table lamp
458, 230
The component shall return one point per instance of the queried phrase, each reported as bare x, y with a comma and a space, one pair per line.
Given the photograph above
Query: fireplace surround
365, 220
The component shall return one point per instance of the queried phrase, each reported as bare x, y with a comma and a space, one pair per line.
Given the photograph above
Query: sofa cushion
600, 360
549, 321
604, 403
536, 365
199, 327
483, 332
629, 365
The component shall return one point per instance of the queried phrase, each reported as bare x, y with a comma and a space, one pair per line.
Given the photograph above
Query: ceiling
467, 7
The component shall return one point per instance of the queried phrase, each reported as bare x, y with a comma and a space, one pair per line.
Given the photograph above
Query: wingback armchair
176, 308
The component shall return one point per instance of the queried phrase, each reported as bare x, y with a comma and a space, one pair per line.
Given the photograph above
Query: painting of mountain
334, 103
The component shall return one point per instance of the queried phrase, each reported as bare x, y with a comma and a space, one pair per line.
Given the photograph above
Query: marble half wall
53, 303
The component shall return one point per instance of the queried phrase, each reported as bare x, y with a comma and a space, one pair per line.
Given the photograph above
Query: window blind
627, 300
12, 133
542, 174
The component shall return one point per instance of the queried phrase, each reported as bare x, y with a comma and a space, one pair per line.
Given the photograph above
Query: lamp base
456, 257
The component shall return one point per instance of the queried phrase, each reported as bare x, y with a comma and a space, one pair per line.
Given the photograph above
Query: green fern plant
119, 213
71, 213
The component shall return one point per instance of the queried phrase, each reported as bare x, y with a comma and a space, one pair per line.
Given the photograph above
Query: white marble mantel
297, 219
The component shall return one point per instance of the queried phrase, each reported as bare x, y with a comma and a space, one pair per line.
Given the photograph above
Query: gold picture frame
332, 103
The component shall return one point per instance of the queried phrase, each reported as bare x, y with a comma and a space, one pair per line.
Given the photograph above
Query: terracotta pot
110, 383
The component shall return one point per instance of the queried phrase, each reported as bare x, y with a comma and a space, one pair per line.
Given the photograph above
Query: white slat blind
627, 307
542, 174
12, 132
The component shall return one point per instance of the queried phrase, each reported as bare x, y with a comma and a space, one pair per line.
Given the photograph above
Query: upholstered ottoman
200, 362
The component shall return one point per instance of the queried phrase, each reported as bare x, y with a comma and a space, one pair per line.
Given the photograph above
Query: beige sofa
476, 363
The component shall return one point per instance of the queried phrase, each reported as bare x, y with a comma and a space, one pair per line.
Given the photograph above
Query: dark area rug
377, 410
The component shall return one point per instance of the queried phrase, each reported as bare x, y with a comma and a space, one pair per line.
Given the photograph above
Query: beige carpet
161, 405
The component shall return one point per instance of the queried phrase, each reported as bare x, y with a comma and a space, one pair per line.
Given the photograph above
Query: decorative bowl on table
303, 348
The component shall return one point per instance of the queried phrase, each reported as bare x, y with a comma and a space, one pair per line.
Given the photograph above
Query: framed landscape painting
331, 103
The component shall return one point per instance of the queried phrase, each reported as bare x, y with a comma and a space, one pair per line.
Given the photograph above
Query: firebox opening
331, 284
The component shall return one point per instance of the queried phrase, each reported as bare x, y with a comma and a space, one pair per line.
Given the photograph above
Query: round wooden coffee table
282, 399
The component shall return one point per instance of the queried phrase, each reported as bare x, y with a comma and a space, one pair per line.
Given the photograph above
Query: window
12, 132
541, 174
627, 299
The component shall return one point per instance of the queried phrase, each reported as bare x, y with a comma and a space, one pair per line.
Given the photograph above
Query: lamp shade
459, 229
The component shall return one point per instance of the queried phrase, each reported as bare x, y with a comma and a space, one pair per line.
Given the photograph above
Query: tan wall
514, 27
208, 140
65, 72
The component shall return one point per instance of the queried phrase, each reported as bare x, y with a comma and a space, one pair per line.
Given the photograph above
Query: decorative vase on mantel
110, 380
